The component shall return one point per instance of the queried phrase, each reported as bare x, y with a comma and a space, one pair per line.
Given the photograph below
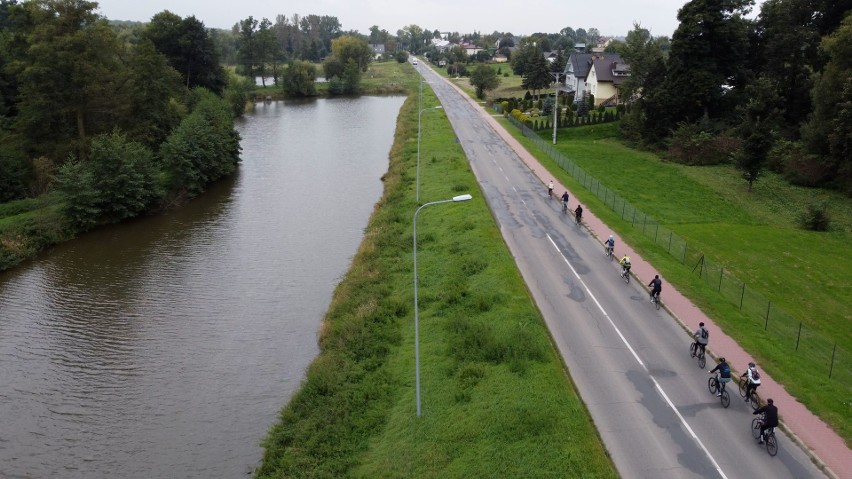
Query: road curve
630, 362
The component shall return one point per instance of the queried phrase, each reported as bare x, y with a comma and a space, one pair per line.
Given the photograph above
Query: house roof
581, 63
611, 70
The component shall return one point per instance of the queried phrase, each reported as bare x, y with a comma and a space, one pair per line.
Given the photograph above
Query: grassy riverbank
496, 400
753, 235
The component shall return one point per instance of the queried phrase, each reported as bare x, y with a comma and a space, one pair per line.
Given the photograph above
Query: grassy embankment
496, 399
753, 235
28, 226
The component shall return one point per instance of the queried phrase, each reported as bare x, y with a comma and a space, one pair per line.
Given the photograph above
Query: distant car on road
414, 62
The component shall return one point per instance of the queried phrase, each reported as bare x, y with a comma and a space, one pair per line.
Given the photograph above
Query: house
470, 48
577, 71
603, 42
441, 45
378, 50
551, 56
605, 78
580, 47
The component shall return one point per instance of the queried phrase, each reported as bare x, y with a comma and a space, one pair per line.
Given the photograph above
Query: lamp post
555, 103
417, 173
455, 199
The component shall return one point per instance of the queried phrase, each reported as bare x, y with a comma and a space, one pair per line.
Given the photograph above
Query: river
166, 346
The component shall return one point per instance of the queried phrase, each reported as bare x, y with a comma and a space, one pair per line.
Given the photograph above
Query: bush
691, 145
816, 217
797, 165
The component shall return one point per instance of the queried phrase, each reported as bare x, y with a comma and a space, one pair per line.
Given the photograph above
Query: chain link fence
815, 348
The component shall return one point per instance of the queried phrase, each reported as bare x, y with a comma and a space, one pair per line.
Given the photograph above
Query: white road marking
636, 356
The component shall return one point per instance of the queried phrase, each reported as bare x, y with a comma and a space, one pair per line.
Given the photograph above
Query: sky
610, 17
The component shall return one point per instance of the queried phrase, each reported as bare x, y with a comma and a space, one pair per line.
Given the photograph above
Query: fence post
623, 208
766, 325
670, 242
831, 367
644, 221
741, 297
655, 233
721, 272
633, 223
798, 337
683, 260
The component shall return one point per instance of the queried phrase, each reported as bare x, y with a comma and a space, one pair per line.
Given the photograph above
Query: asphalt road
630, 362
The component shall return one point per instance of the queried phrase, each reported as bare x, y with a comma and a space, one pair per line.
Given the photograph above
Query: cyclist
578, 213
625, 265
610, 245
702, 337
565, 201
753, 377
656, 285
550, 189
724, 374
770, 419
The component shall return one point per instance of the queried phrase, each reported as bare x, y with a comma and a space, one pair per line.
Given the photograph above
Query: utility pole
556, 101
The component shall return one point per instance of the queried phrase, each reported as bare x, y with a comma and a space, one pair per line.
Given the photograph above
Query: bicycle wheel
755, 401
712, 385
657, 301
771, 444
627, 277
755, 427
692, 351
702, 360
726, 398
743, 384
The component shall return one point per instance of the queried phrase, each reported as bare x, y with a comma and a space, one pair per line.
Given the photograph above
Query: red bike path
826, 448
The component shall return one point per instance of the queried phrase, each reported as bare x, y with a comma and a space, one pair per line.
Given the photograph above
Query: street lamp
455, 199
417, 174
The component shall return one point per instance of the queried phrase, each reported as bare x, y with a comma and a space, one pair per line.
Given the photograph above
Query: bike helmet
610, 236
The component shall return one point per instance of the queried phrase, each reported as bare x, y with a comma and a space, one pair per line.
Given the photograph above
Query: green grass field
496, 400
755, 237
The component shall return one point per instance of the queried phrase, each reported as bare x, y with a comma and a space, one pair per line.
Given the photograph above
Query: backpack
725, 370
704, 333
755, 375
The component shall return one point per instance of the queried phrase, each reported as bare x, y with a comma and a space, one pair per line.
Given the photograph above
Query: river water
166, 346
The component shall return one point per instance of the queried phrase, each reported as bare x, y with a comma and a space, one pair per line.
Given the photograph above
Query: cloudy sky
611, 17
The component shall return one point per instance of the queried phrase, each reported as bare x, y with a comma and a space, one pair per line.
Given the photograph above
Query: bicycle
578, 219
702, 359
625, 275
609, 252
656, 299
565, 207
714, 385
769, 436
753, 397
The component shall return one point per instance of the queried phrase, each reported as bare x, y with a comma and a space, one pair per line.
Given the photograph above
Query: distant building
378, 50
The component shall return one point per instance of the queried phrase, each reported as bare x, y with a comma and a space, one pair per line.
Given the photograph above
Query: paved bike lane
826, 448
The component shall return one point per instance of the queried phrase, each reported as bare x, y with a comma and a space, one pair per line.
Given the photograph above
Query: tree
352, 48
117, 182
247, 47
828, 133
484, 79
153, 91
189, 48
299, 79
537, 74
760, 119
708, 58
203, 148
69, 78
642, 54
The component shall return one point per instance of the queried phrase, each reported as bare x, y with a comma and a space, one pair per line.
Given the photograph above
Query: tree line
117, 121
